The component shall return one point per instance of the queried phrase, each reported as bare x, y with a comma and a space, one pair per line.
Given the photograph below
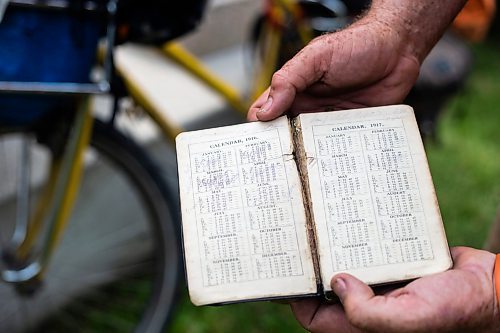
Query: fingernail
339, 287
267, 105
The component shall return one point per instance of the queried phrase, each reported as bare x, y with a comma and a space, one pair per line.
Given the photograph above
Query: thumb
298, 74
281, 96
353, 293
363, 309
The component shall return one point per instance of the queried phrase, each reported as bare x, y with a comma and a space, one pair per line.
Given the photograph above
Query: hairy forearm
418, 23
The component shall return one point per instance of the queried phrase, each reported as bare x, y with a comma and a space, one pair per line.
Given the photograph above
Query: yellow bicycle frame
279, 12
60, 192
65, 173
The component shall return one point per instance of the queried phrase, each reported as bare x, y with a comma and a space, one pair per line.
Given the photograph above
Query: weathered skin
373, 62
459, 300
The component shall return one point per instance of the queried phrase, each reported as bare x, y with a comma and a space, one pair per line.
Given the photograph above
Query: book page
242, 214
372, 195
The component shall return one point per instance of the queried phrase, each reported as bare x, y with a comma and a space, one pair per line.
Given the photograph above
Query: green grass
238, 318
465, 164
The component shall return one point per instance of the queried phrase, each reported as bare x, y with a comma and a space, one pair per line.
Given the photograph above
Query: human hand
459, 300
358, 67
373, 62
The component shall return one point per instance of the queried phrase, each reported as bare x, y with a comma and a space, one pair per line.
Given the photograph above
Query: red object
496, 277
474, 20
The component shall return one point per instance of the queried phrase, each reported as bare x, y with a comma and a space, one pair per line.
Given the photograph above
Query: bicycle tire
160, 203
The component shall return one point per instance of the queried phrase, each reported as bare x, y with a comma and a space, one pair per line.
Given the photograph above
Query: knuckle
279, 80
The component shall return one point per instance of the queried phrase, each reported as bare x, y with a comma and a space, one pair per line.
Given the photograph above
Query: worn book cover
275, 209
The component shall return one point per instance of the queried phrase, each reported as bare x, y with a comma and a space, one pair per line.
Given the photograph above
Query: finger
318, 317
281, 96
351, 291
257, 105
466, 258
305, 310
304, 103
294, 77
367, 311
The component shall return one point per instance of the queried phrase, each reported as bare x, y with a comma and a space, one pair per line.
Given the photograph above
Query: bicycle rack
108, 8
29, 271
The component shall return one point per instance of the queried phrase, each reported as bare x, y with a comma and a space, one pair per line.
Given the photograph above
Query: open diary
275, 209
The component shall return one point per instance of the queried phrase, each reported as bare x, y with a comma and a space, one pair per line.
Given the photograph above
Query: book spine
301, 162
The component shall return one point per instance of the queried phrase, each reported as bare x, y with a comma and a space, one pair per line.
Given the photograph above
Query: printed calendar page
373, 181
246, 207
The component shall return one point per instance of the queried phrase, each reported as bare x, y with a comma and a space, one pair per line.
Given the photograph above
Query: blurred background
460, 97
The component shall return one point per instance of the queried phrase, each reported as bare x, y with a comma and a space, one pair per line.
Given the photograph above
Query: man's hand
459, 300
358, 67
373, 62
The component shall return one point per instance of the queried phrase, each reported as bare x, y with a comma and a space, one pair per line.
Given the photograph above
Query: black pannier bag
157, 21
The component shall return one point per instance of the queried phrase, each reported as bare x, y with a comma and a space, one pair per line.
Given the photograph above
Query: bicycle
104, 260
67, 141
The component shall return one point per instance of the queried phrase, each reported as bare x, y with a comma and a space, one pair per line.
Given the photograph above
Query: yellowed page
372, 195
242, 214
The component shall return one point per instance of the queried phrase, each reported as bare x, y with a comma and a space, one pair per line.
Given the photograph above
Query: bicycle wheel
117, 267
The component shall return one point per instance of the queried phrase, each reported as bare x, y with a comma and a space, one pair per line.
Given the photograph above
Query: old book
275, 209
